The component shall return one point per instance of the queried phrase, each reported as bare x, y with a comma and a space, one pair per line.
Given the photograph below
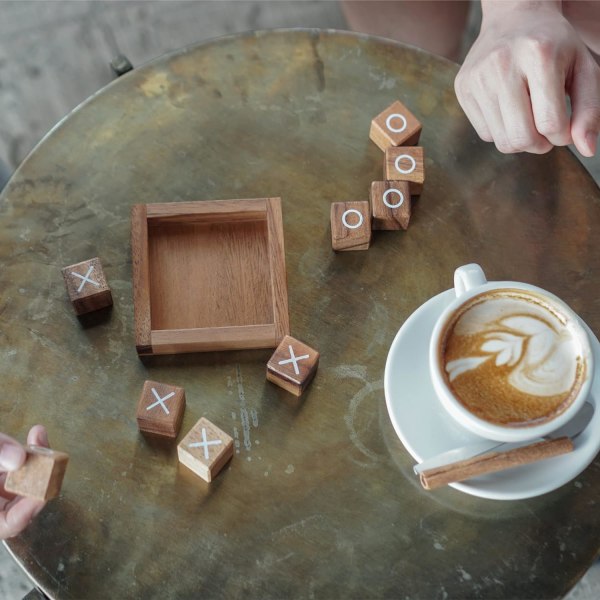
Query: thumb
12, 454
585, 105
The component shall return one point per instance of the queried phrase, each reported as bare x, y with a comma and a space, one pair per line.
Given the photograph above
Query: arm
514, 81
16, 512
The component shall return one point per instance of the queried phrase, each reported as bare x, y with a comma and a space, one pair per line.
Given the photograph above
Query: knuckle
504, 146
482, 83
485, 136
520, 142
541, 48
501, 58
550, 125
461, 85
591, 115
541, 148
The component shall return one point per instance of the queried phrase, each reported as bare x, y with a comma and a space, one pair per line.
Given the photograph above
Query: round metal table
319, 499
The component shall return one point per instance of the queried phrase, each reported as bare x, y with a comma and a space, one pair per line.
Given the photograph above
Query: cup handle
468, 277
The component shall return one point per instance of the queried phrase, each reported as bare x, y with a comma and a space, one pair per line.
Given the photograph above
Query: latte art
511, 358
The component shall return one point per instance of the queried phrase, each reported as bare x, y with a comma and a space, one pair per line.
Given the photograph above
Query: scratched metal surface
319, 500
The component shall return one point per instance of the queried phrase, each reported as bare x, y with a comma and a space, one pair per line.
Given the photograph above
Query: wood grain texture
206, 449
87, 287
494, 462
279, 291
209, 275
293, 365
160, 408
216, 275
405, 163
395, 117
390, 205
350, 225
213, 211
208, 339
41, 476
140, 279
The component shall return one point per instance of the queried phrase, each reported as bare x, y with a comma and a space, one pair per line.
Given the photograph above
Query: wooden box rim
175, 341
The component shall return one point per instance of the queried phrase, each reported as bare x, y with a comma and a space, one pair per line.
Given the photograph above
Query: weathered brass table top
320, 499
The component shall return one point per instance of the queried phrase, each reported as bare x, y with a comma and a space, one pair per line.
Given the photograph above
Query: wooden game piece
293, 365
41, 476
205, 449
229, 253
390, 204
406, 163
395, 126
350, 225
87, 287
160, 409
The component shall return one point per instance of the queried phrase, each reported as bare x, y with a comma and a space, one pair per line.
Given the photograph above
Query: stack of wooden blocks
396, 131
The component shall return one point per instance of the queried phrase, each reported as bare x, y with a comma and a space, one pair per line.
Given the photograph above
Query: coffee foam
511, 357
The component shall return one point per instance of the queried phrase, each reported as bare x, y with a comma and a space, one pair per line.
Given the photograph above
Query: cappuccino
512, 358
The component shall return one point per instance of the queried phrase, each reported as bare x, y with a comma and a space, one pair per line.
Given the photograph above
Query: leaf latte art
511, 358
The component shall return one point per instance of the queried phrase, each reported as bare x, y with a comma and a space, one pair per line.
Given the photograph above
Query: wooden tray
208, 276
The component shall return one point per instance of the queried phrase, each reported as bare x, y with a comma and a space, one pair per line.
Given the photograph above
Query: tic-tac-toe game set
229, 257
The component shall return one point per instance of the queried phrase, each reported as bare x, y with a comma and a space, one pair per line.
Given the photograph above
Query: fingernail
591, 138
44, 438
41, 437
11, 457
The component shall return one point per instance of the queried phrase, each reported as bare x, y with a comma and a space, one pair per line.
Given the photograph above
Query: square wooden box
208, 276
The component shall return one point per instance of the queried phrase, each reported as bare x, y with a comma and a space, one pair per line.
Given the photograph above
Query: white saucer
425, 428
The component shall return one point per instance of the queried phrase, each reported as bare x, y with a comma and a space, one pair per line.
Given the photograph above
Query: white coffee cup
471, 286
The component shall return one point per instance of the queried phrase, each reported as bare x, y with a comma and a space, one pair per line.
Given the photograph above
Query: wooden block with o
406, 163
395, 126
293, 365
390, 204
350, 225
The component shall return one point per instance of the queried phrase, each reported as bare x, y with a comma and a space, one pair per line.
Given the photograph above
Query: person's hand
513, 83
17, 512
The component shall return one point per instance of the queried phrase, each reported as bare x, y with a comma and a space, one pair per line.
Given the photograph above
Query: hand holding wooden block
350, 225
160, 409
395, 126
406, 163
205, 449
87, 287
41, 476
293, 365
390, 204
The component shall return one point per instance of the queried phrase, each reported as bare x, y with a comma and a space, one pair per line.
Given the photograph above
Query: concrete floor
54, 54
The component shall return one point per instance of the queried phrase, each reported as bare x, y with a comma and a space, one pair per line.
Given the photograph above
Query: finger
38, 436
584, 90
4, 495
517, 116
495, 124
12, 455
473, 111
18, 516
470, 106
549, 105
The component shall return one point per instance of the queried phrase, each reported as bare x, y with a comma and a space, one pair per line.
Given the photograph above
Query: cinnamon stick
493, 462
